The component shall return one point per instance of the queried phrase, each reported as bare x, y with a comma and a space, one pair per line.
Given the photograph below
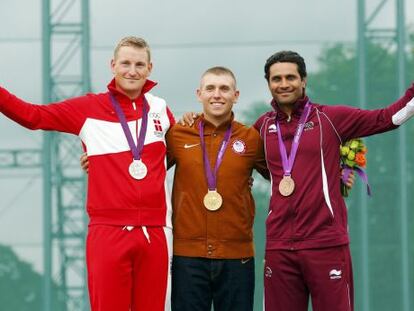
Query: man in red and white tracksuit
307, 241
128, 247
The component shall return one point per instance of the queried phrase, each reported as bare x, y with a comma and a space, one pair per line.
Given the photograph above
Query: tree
20, 285
336, 82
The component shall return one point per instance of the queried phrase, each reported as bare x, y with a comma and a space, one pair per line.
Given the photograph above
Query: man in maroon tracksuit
307, 247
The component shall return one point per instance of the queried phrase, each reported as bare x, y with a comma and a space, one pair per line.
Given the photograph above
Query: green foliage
254, 112
20, 285
337, 83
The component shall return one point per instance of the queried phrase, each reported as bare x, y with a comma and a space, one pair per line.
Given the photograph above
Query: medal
137, 169
212, 200
286, 186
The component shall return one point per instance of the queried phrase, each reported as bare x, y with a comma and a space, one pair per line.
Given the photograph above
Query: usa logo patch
239, 146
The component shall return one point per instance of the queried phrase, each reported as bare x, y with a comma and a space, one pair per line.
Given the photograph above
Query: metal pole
46, 162
86, 68
405, 273
362, 73
86, 87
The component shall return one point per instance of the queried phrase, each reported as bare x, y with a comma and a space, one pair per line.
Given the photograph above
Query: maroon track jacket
315, 215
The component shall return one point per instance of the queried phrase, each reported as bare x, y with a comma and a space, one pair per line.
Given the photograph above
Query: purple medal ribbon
212, 176
136, 150
288, 162
361, 173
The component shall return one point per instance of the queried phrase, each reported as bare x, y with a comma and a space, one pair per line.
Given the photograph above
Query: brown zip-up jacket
226, 233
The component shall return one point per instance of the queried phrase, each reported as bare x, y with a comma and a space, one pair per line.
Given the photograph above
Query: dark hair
286, 57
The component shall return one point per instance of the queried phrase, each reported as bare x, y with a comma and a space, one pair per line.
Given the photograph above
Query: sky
186, 37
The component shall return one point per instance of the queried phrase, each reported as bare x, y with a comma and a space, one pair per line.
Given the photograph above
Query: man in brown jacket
213, 208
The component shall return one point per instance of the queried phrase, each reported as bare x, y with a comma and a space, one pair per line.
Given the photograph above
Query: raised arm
353, 122
65, 116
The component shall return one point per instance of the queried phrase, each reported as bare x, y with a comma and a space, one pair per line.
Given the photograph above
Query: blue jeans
197, 283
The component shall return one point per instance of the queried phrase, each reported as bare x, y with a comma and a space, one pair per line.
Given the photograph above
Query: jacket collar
209, 126
123, 99
297, 109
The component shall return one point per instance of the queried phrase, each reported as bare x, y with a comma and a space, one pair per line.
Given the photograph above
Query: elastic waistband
290, 244
131, 217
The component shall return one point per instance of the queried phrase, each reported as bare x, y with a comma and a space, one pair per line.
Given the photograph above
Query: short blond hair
135, 42
220, 70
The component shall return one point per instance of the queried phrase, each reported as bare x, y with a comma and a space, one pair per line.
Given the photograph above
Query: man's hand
189, 118
84, 162
250, 181
351, 179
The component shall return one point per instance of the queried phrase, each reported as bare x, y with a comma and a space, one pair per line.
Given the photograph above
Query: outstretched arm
63, 117
351, 122
404, 114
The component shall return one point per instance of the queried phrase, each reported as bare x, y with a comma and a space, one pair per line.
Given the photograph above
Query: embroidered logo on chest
308, 126
272, 128
239, 146
158, 128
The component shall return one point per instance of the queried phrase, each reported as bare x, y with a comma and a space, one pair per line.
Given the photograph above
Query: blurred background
358, 53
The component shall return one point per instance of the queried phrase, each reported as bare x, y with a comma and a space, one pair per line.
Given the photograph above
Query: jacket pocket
188, 221
236, 222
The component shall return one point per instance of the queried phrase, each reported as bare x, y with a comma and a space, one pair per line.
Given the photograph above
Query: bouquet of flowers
353, 159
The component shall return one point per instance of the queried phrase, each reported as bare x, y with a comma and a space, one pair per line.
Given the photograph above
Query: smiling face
131, 68
285, 83
217, 93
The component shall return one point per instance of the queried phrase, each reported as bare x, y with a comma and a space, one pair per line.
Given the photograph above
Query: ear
304, 81
268, 85
236, 96
198, 93
113, 65
150, 67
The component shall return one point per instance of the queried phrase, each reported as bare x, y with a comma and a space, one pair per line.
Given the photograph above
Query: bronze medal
286, 186
212, 200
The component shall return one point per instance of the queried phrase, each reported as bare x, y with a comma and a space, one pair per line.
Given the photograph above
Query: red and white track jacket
114, 197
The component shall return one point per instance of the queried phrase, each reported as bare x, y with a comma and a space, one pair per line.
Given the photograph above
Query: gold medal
212, 200
286, 186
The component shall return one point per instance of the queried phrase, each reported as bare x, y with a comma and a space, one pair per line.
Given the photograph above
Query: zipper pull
133, 105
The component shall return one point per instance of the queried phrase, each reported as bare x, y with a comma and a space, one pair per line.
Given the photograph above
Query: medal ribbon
288, 162
212, 176
136, 150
